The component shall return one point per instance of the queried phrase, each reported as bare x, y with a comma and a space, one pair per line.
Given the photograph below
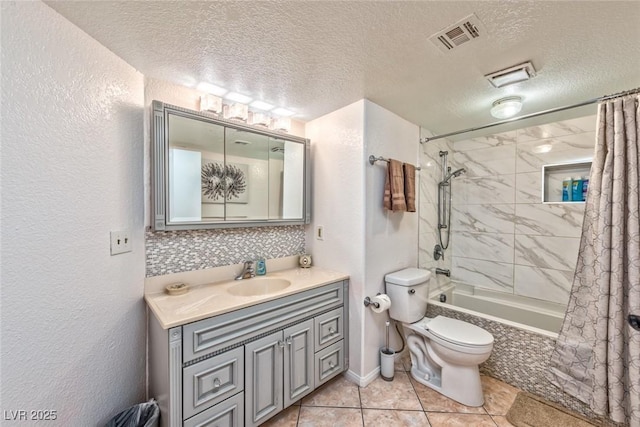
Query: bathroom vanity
235, 353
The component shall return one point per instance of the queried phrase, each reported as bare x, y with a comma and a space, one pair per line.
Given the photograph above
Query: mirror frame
160, 167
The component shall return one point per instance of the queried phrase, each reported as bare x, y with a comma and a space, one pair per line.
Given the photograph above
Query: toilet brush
387, 357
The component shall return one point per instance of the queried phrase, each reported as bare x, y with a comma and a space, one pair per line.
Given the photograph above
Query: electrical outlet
120, 242
320, 232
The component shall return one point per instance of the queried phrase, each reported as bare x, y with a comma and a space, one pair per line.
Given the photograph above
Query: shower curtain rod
528, 116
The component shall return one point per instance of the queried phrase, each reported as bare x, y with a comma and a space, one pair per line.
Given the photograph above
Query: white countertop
211, 299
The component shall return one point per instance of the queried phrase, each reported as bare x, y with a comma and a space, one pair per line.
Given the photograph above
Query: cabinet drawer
329, 328
216, 333
212, 380
329, 362
229, 413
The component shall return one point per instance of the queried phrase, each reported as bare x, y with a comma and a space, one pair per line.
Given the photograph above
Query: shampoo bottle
566, 189
576, 190
585, 186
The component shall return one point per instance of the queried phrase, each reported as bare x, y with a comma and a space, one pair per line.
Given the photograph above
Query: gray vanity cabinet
241, 368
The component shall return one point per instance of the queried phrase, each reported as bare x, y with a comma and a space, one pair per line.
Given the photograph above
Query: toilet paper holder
368, 302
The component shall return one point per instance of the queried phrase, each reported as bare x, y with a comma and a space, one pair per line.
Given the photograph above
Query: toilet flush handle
412, 291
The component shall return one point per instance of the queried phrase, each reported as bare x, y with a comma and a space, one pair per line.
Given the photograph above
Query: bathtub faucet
444, 271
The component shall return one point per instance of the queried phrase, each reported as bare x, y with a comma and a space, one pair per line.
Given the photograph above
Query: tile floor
402, 402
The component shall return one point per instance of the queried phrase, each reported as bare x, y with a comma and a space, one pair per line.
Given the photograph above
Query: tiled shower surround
520, 358
503, 237
188, 250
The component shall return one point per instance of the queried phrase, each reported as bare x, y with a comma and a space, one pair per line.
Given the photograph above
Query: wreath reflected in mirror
218, 179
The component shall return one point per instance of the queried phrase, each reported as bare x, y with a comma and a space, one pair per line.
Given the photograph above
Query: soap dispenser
261, 267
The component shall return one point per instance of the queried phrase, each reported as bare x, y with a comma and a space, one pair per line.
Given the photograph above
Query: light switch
120, 242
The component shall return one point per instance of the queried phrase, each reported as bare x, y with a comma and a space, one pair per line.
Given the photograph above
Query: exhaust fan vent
463, 31
511, 75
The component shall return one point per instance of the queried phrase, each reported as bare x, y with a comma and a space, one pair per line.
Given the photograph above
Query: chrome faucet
444, 271
247, 271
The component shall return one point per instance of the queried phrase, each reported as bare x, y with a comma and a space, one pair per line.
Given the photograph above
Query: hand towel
410, 186
394, 187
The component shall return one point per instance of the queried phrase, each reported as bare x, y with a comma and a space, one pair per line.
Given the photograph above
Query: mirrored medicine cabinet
214, 173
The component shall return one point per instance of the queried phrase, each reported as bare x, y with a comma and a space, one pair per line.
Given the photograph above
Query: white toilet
445, 353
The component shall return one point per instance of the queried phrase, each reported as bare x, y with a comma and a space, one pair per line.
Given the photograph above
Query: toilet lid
460, 332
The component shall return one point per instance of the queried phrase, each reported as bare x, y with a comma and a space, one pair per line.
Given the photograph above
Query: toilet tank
408, 291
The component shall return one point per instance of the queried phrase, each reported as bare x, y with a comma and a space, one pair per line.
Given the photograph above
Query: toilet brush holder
387, 363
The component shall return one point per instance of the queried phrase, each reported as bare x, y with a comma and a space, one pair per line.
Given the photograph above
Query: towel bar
373, 159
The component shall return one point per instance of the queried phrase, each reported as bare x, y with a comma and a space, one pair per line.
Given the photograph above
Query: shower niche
554, 175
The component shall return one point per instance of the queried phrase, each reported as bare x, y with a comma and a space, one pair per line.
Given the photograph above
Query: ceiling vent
464, 31
511, 75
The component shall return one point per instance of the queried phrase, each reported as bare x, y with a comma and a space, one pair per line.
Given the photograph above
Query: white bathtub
521, 312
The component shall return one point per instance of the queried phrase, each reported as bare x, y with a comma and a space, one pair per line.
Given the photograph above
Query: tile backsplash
178, 251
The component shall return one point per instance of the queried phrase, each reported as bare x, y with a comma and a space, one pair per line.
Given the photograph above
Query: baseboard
362, 381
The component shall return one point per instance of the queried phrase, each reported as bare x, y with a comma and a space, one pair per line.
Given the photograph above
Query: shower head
458, 172
453, 174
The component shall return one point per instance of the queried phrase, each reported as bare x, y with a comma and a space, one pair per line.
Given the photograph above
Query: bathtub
524, 330
530, 314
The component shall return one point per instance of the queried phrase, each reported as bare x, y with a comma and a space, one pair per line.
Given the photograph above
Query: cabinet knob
332, 365
332, 331
289, 341
281, 343
216, 384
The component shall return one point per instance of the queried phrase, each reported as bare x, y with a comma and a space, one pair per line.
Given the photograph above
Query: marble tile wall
430, 175
503, 237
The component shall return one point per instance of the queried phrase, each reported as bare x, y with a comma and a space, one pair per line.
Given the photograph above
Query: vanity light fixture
260, 105
507, 107
236, 111
211, 103
238, 97
212, 89
258, 118
282, 124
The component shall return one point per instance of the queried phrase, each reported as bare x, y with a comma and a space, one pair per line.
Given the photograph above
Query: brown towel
394, 187
386, 200
410, 186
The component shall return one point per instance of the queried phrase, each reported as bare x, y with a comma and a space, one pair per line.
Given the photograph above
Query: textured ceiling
315, 57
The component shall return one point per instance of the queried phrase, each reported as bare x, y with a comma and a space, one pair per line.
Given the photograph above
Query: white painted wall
73, 318
360, 238
391, 238
337, 143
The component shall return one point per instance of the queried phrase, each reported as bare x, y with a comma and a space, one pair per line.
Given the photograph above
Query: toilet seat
455, 334
459, 332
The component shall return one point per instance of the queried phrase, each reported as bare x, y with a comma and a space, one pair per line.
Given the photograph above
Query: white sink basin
258, 286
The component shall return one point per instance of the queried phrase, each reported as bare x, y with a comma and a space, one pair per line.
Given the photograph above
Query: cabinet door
298, 361
263, 385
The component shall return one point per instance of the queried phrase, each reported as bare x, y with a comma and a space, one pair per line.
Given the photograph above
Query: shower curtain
597, 354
